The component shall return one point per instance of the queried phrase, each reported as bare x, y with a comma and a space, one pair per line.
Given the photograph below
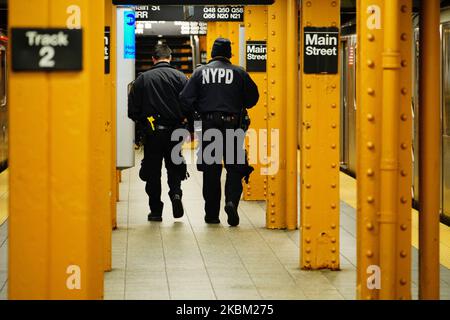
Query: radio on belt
321, 50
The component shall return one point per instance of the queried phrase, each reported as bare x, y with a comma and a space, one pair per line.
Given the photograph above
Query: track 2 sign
36, 49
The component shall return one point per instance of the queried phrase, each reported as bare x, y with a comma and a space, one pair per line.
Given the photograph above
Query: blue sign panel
129, 39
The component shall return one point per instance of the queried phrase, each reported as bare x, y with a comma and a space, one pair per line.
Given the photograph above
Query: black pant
235, 167
158, 146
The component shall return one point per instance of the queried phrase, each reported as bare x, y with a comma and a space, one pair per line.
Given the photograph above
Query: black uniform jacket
156, 93
220, 86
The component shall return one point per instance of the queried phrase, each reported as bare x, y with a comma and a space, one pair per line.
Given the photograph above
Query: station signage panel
191, 13
218, 13
256, 56
321, 50
159, 13
193, 2
51, 49
107, 50
170, 28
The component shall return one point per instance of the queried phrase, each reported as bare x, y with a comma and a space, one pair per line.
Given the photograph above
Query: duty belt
220, 116
161, 127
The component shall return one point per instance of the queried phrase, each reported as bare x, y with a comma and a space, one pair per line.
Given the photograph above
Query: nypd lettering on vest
321, 50
217, 75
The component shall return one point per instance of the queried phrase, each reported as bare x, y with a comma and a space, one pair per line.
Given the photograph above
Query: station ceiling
347, 5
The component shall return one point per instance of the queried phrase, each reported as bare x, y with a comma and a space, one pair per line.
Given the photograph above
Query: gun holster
244, 121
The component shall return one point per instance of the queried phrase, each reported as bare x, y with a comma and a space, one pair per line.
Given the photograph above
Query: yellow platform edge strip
348, 195
3, 196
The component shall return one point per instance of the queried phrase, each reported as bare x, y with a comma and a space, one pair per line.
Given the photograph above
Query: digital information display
170, 28
191, 13
193, 2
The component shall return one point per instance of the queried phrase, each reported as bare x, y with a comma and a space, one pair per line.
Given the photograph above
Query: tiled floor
187, 259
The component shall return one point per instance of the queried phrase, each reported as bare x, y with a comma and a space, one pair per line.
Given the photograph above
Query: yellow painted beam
292, 105
107, 135
56, 232
320, 152
211, 36
113, 168
228, 30
26, 122
256, 30
277, 105
233, 35
389, 152
369, 73
384, 166
404, 146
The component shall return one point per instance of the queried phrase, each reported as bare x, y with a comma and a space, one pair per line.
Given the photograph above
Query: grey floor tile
4, 292
237, 293
187, 259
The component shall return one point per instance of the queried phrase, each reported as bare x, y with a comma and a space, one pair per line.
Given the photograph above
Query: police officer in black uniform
155, 107
221, 93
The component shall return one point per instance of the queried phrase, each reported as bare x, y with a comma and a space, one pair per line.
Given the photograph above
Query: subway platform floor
187, 259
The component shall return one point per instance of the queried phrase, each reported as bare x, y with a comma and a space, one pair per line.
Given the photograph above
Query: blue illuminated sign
129, 35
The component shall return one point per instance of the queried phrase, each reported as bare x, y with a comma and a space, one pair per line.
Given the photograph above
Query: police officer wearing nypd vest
153, 103
221, 93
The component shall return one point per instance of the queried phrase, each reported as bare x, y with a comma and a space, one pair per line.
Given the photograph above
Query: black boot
177, 206
156, 215
233, 216
212, 220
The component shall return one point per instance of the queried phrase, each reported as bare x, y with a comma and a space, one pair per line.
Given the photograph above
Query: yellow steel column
29, 205
277, 102
404, 146
56, 229
429, 150
113, 168
389, 152
384, 149
256, 30
229, 30
320, 152
108, 147
233, 35
292, 114
211, 36
395, 201
369, 84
